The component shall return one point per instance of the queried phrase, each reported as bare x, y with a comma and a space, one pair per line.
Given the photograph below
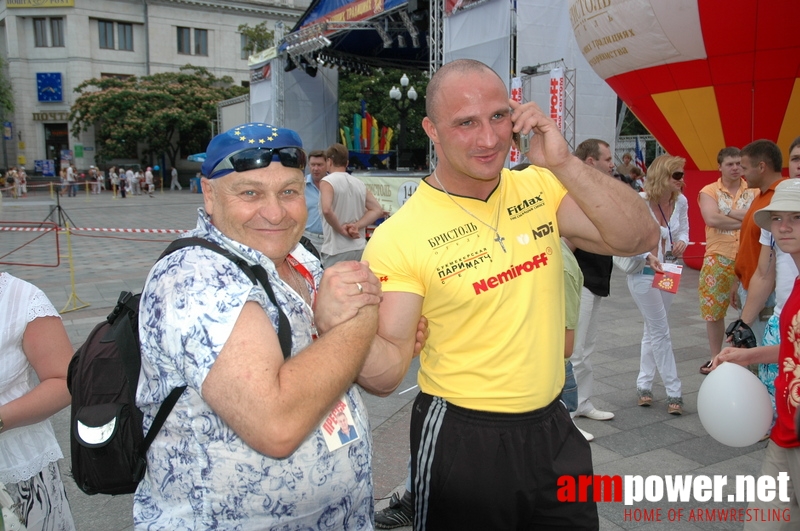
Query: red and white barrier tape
93, 229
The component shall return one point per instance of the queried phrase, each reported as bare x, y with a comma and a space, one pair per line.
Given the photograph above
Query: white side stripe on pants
425, 454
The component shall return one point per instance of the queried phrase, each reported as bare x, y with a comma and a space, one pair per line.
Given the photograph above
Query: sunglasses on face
678, 175
255, 158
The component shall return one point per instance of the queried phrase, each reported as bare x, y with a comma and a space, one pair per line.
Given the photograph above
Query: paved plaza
638, 441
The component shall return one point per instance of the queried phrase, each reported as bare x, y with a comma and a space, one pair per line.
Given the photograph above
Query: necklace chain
499, 239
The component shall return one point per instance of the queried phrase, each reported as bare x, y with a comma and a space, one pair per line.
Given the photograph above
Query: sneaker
395, 515
596, 414
588, 436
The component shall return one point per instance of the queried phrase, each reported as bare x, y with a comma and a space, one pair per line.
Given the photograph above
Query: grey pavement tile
621, 397
623, 371
608, 525
631, 418
706, 451
621, 387
688, 423
597, 428
625, 352
654, 462
602, 455
638, 440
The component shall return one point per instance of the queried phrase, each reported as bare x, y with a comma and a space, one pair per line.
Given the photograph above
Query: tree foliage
6, 94
258, 37
169, 112
374, 90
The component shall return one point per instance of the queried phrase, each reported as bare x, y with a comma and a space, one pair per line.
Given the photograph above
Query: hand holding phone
523, 142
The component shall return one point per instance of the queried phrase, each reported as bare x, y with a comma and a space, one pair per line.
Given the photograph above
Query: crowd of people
272, 431
14, 182
131, 180
124, 181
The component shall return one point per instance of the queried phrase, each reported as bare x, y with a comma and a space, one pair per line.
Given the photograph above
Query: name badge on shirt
338, 427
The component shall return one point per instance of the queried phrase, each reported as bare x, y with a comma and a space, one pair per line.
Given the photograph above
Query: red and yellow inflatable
699, 74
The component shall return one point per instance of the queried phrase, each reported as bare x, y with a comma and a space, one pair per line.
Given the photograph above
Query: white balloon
734, 406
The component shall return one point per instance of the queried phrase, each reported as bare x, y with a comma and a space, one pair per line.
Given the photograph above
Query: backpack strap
161, 415
255, 273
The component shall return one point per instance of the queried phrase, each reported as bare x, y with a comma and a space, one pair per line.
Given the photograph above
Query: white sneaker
589, 437
596, 414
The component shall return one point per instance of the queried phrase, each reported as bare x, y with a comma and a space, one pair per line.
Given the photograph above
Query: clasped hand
345, 288
351, 230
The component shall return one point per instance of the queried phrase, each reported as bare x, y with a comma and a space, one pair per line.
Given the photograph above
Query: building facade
52, 46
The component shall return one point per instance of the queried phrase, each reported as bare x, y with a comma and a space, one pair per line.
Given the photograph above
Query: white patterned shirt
200, 473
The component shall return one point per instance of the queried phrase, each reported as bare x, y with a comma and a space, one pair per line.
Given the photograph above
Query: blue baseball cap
251, 146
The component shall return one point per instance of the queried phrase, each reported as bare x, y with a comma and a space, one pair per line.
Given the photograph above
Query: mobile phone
523, 142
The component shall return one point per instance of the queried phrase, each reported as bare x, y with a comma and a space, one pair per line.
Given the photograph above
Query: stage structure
424, 34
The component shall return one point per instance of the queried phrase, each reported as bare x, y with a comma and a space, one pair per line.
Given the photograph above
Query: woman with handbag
669, 207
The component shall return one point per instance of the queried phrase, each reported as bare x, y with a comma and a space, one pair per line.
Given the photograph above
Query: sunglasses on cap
678, 175
259, 157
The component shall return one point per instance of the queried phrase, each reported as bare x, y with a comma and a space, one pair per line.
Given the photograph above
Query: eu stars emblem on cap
251, 146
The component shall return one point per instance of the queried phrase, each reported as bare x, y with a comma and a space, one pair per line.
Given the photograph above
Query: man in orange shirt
761, 164
723, 205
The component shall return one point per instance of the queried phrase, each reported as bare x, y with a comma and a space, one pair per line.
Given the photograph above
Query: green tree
6, 94
169, 112
258, 37
374, 90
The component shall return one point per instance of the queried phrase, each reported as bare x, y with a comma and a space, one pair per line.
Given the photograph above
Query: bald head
457, 67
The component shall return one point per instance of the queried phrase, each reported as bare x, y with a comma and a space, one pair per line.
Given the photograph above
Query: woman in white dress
34, 355
669, 207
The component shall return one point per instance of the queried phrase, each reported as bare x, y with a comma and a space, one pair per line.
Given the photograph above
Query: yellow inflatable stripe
694, 116
790, 129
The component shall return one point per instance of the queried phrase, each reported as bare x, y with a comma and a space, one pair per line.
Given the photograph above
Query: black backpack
107, 442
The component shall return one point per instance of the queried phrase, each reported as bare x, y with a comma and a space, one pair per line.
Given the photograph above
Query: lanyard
306, 274
667, 222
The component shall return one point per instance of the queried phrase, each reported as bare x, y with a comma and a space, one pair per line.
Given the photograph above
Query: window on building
57, 32
125, 37
200, 42
184, 40
40, 32
106, 29
245, 47
121, 77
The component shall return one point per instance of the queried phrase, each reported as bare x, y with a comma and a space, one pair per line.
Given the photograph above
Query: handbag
629, 264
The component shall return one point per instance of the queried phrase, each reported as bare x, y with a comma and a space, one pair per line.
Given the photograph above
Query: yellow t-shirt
496, 319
